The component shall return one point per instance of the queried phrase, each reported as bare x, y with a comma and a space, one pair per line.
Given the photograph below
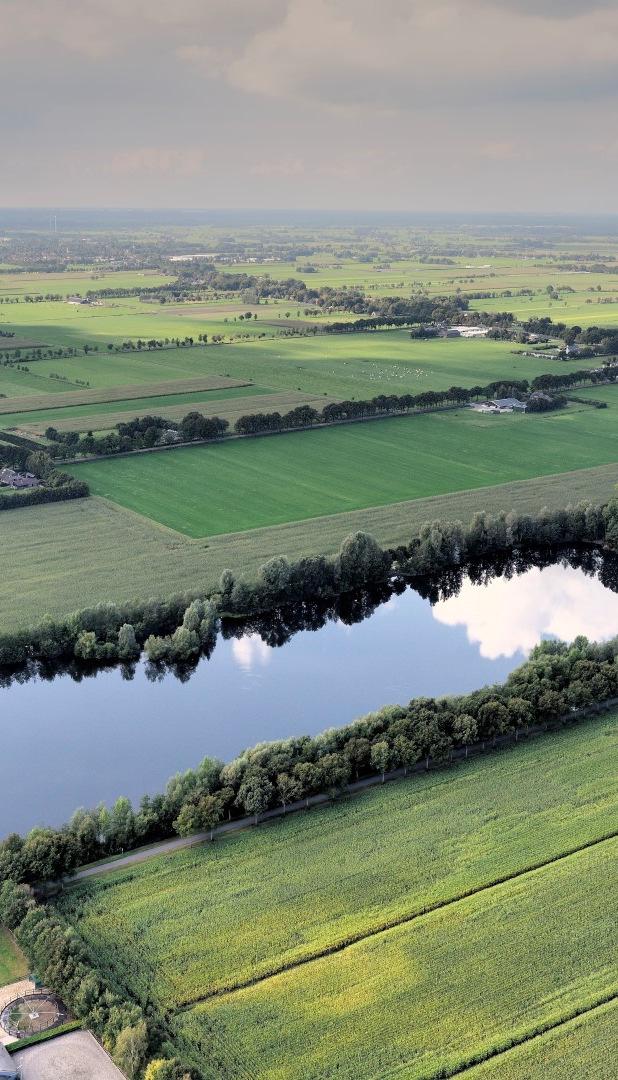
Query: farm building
7, 1069
499, 405
11, 478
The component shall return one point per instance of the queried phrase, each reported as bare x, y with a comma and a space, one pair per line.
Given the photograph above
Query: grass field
585, 1048
248, 484
228, 404
84, 417
65, 556
344, 365
433, 988
13, 963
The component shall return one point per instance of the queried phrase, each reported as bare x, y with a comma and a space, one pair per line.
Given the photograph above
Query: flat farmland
64, 556
318, 924
252, 483
585, 1048
227, 404
63, 398
435, 994
77, 281
340, 366
108, 413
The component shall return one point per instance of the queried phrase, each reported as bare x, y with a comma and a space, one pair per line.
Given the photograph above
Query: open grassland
65, 556
252, 483
357, 365
228, 404
107, 414
69, 398
117, 319
437, 277
432, 995
579, 308
13, 964
309, 883
69, 282
585, 1048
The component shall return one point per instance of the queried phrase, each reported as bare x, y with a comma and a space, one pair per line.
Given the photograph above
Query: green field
251, 483
228, 404
13, 964
84, 416
434, 988
433, 994
585, 1048
343, 365
65, 556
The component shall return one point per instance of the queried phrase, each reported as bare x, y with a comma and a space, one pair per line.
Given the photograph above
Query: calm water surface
68, 743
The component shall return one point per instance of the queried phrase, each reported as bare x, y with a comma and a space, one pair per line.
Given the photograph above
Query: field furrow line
393, 924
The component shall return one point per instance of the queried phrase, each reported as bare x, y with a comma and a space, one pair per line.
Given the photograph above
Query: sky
419, 105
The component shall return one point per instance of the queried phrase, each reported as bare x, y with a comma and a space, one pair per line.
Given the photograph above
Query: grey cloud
308, 102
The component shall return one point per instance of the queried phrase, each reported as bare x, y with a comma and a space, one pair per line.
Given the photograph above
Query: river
75, 740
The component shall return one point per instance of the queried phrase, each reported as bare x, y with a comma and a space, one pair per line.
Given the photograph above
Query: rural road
164, 847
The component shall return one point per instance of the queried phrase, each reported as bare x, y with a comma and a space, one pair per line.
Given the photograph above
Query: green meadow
252, 483
342, 365
61, 557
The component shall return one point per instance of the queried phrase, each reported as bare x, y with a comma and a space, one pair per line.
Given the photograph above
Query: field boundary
479, 1059
135, 391
393, 924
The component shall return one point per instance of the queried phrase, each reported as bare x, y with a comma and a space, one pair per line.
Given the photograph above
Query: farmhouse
10, 478
499, 405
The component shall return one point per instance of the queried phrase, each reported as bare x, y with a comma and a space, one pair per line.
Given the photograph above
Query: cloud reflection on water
509, 616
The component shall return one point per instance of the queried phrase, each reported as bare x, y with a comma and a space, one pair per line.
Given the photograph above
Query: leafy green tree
128, 648
288, 789
255, 793
465, 730
130, 1049
360, 562
335, 770
381, 757
15, 902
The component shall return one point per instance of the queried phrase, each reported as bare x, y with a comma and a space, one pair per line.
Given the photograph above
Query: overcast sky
360, 104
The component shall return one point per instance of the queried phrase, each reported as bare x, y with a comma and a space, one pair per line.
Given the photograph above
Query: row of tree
176, 629
148, 431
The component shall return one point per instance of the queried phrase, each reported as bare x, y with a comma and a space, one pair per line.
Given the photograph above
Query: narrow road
164, 847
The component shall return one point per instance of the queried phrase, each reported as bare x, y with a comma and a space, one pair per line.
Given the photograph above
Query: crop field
342, 365
113, 320
109, 413
13, 964
77, 281
402, 988
61, 557
227, 404
251, 483
434, 994
587, 1047
36, 402
403, 276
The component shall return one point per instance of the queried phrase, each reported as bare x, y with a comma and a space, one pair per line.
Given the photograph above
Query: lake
74, 742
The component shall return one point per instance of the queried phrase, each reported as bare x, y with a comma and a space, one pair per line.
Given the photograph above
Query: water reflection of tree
276, 628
